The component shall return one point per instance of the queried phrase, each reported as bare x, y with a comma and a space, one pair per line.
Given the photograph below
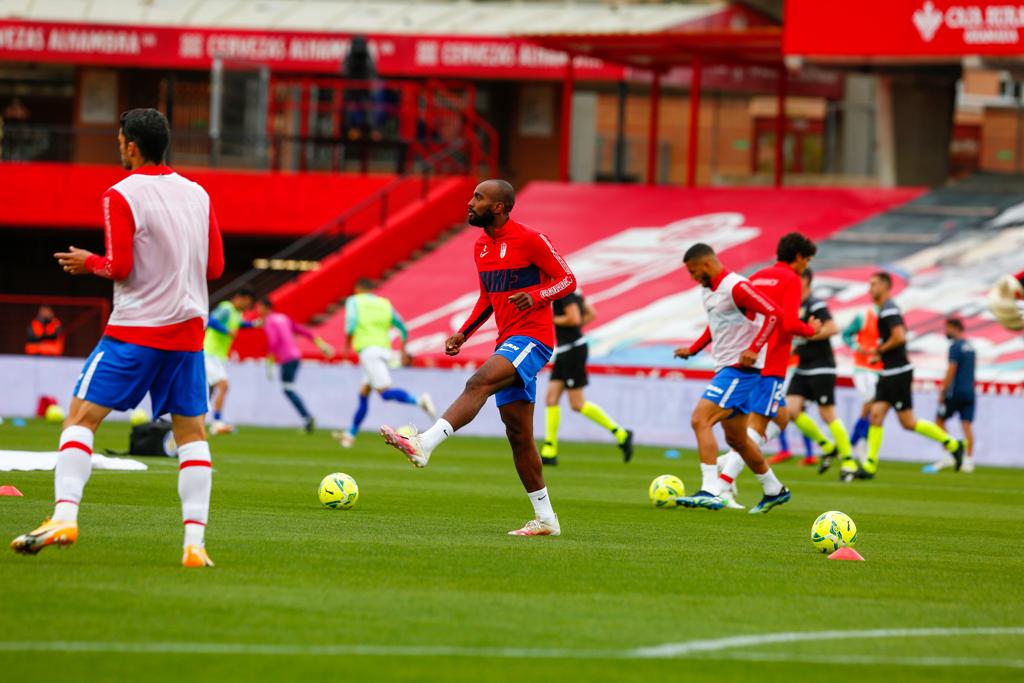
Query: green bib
374, 316
216, 343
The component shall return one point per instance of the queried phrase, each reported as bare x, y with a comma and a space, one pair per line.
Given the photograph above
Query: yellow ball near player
338, 491
833, 530
664, 490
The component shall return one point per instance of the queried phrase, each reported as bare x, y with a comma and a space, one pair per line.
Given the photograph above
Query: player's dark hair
506, 194
794, 245
955, 322
245, 291
148, 129
699, 250
884, 277
266, 302
364, 283
808, 275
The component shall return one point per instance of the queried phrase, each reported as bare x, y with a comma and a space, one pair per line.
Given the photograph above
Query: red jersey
518, 259
782, 285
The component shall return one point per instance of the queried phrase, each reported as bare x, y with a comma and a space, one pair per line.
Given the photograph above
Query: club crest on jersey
501, 252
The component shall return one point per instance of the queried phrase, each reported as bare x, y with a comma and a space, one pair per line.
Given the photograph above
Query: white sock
732, 464
771, 432
770, 483
195, 479
74, 465
541, 504
709, 479
433, 437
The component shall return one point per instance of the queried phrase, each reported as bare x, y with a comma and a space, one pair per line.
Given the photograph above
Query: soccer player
958, 395
569, 375
781, 284
221, 330
815, 380
368, 322
741, 320
162, 245
861, 335
520, 275
895, 383
281, 332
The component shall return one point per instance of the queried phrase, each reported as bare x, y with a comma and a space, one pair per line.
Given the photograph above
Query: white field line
718, 648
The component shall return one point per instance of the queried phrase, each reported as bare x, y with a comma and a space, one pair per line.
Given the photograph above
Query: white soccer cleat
411, 446
345, 438
968, 465
427, 404
536, 527
730, 494
220, 427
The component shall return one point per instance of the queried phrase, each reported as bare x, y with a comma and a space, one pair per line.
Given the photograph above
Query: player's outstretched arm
685, 352
215, 249
477, 317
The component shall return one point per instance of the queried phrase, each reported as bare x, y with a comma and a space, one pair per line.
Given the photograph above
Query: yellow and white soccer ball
1002, 301
139, 416
664, 490
833, 530
54, 413
338, 491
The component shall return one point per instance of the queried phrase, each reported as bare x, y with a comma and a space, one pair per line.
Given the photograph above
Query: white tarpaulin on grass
30, 460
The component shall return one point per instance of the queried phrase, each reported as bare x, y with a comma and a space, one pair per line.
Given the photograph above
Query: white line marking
717, 648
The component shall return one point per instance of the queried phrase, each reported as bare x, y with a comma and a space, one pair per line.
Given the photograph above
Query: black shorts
896, 390
962, 405
571, 367
818, 388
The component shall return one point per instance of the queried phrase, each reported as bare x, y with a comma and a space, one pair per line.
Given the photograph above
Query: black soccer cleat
958, 455
627, 446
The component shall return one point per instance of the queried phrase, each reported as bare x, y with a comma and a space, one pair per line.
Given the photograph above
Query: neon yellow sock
809, 428
936, 433
552, 418
842, 438
593, 412
874, 445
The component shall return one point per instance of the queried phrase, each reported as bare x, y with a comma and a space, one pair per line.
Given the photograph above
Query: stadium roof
460, 17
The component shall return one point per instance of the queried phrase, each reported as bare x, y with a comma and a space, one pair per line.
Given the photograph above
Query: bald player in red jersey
520, 275
780, 283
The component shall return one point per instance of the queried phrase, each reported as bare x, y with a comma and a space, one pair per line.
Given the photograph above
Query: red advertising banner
417, 56
196, 48
903, 28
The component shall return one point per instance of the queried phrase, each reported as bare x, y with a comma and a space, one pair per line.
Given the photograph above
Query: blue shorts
732, 388
527, 356
953, 405
769, 396
117, 375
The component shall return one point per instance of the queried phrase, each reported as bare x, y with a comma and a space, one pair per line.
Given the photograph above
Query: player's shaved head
698, 251
364, 284
702, 263
491, 204
499, 190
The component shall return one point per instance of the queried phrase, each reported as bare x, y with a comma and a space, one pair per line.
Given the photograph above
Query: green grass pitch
420, 582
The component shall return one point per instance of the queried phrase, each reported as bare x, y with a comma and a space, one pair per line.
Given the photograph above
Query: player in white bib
740, 321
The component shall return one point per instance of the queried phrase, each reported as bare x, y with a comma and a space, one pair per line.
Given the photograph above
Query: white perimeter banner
658, 410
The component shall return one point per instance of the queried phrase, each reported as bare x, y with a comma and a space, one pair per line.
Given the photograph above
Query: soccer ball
138, 417
54, 413
833, 530
665, 489
338, 491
